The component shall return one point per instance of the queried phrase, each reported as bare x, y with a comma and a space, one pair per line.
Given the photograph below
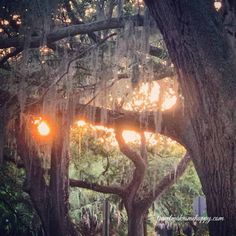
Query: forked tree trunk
206, 64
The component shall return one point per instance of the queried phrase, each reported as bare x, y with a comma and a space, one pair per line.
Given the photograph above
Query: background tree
132, 184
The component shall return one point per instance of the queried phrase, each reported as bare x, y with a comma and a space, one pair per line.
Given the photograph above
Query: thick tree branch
139, 162
97, 187
9, 55
76, 21
171, 122
71, 31
127, 151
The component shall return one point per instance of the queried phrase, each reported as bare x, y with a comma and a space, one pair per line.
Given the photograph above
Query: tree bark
145, 219
35, 184
50, 202
206, 65
135, 220
60, 223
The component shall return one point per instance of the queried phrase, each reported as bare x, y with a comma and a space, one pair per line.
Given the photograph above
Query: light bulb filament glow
43, 128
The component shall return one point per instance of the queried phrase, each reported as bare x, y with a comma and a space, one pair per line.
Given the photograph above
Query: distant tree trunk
2, 132
206, 64
145, 218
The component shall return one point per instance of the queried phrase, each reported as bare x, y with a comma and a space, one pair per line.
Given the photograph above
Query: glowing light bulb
81, 123
217, 5
43, 128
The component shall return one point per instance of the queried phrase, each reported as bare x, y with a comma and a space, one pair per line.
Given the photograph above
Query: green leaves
17, 215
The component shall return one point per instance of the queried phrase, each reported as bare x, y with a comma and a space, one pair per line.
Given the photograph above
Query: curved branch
171, 122
97, 187
139, 162
168, 179
127, 151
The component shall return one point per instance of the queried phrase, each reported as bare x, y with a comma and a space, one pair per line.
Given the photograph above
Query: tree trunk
60, 223
206, 65
50, 202
217, 181
135, 224
2, 132
34, 184
135, 220
145, 218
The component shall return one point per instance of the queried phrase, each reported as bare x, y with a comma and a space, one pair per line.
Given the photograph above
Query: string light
217, 5
42, 127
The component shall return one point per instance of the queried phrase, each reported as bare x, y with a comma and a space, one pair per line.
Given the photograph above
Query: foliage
17, 214
100, 162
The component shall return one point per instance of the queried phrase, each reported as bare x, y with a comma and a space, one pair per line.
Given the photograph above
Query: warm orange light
130, 136
81, 123
168, 103
43, 128
45, 50
147, 95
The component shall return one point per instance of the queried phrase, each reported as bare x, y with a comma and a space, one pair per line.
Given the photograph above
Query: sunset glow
144, 98
81, 123
130, 136
168, 103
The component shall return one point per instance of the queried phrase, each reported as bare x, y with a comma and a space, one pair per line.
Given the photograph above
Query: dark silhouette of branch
70, 31
76, 21
73, 60
97, 187
9, 55
171, 122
